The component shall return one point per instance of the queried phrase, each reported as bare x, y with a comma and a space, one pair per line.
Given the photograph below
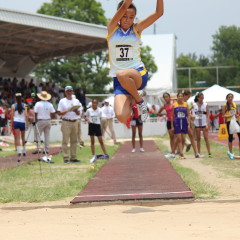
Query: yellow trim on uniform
233, 107
109, 35
143, 72
134, 29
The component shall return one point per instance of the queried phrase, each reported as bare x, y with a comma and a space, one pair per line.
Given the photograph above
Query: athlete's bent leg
130, 80
123, 107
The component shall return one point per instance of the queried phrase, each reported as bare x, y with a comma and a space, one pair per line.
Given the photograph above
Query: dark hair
130, 6
228, 105
197, 96
96, 100
19, 104
186, 93
167, 94
180, 93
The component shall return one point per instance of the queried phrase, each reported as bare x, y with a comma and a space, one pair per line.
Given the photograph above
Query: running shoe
142, 93
209, 155
133, 150
182, 156
198, 155
188, 147
170, 155
143, 110
231, 155
142, 150
93, 159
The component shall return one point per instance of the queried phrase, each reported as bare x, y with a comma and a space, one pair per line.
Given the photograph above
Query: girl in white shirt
200, 112
93, 117
19, 117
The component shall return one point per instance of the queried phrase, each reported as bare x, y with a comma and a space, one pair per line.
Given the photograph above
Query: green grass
200, 188
29, 183
6, 151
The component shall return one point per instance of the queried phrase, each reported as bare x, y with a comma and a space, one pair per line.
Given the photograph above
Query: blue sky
192, 21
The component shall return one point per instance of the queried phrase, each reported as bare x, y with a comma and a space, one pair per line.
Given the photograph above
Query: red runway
135, 176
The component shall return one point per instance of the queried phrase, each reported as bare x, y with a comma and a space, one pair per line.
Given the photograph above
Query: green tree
148, 60
226, 51
226, 45
91, 69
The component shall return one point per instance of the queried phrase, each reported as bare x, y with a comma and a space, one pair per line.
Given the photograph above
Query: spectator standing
180, 123
229, 110
107, 120
201, 120
212, 118
68, 109
168, 106
79, 134
221, 119
191, 128
20, 124
93, 117
44, 112
136, 123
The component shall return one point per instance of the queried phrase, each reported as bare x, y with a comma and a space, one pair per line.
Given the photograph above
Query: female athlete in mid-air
126, 67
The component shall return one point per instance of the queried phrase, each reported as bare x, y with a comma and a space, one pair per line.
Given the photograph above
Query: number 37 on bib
124, 52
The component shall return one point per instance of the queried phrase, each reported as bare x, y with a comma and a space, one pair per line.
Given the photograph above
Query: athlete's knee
122, 77
121, 118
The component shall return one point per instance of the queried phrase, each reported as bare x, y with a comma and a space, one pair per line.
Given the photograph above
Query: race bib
199, 116
133, 123
124, 53
94, 119
181, 115
232, 111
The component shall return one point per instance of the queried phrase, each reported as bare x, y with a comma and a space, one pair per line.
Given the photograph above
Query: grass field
220, 162
38, 182
35, 182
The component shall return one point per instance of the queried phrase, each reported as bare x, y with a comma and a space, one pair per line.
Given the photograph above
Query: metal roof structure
28, 39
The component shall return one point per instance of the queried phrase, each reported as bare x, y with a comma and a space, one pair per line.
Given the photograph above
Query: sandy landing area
59, 220
213, 220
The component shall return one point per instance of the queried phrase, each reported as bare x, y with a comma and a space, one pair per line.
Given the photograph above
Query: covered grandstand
28, 39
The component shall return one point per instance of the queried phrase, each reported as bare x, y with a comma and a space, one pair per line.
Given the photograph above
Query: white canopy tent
216, 95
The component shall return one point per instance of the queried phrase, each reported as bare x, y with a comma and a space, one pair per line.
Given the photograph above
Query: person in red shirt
212, 117
220, 118
136, 123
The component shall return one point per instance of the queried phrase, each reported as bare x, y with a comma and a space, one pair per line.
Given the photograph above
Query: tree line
88, 70
91, 70
225, 52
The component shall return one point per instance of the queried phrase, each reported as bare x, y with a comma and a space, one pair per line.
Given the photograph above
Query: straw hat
44, 96
173, 96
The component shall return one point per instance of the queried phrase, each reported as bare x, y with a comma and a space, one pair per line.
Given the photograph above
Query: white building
164, 52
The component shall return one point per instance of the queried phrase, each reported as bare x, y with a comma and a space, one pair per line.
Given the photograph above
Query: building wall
152, 127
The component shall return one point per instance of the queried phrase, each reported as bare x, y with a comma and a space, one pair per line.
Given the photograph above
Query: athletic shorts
200, 126
169, 125
180, 126
94, 130
136, 122
118, 89
19, 125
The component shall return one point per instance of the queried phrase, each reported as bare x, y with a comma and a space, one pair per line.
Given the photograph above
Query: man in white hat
108, 115
44, 112
69, 110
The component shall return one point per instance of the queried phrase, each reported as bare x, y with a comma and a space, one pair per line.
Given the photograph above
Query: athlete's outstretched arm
152, 18
118, 15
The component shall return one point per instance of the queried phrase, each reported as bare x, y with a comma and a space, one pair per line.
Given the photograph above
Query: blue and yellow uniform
124, 53
180, 121
231, 111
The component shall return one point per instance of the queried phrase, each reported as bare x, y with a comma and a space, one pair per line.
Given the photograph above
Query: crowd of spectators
29, 90
10, 86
